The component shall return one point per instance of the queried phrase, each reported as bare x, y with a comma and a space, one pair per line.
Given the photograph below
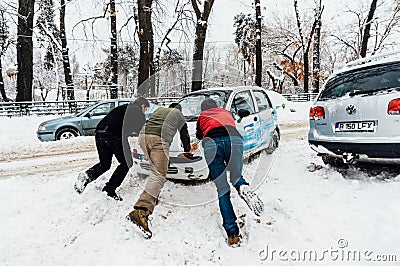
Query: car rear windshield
192, 102
363, 81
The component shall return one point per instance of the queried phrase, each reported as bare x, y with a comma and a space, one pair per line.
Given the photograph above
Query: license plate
362, 126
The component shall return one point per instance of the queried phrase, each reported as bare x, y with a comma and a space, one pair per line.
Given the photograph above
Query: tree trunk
258, 44
66, 64
306, 74
2, 90
145, 33
201, 31
316, 57
114, 52
367, 29
25, 50
198, 54
274, 86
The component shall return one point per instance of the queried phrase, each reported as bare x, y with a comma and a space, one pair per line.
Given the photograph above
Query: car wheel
333, 161
66, 133
273, 144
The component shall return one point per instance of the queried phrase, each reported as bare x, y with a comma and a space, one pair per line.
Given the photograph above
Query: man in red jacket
223, 150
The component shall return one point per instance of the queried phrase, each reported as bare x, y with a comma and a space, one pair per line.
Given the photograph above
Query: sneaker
81, 182
234, 240
252, 200
140, 219
111, 193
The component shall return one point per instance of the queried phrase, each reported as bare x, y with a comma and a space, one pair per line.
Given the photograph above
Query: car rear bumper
377, 152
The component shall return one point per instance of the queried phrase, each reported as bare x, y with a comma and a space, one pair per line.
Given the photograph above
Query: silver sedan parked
82, 124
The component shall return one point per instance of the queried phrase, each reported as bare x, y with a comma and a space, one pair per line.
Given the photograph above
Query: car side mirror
88, 115
243, 113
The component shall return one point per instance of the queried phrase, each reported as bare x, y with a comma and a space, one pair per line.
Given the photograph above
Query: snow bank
19, 140
289, 111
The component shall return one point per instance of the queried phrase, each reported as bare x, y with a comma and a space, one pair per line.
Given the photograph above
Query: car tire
273, 144
66, 133
334, 161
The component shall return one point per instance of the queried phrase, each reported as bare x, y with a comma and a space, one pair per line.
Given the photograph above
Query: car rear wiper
358, 92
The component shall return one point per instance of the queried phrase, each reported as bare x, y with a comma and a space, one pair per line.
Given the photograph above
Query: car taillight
317, 113
394, 107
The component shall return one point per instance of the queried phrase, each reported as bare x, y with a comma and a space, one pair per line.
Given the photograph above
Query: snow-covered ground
309, 209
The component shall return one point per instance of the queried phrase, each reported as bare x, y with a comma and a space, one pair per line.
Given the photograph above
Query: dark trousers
108, 145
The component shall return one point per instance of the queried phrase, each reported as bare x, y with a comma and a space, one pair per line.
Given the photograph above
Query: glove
187, 155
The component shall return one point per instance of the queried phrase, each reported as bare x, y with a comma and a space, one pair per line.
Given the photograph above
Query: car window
191, 104
242, 100
262, 100
102, 109
363, 81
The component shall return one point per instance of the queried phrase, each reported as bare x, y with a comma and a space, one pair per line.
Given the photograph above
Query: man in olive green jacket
155, 139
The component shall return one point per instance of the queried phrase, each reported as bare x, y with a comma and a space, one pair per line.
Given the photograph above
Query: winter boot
140, 219
234, 240
111, 193
252, 200
81, 182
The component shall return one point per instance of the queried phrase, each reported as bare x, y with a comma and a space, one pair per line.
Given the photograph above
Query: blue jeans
224, 154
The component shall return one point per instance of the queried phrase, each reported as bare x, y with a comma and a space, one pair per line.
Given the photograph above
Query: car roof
370, 61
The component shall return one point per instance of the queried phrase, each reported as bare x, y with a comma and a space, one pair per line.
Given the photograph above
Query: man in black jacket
111, 136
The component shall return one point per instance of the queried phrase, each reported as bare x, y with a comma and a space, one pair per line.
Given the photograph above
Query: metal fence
12, 109
42, 108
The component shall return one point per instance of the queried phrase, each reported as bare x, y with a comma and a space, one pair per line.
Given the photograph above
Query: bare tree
317, 47
283, 50
5, 42
367, 29
200, 38
25, 50
306, 42
65, 56
371, 30
109, 8
182, 15
258, 43
114, 52
146, 43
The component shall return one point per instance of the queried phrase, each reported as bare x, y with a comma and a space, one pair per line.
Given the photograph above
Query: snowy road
76, 155
45, 222
47, 165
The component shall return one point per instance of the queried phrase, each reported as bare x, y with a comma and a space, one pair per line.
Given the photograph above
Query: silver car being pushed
356, 116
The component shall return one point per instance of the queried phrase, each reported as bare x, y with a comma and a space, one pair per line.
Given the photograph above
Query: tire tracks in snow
48, 165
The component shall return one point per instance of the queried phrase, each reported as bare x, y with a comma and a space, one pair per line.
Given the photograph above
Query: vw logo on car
351, 109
